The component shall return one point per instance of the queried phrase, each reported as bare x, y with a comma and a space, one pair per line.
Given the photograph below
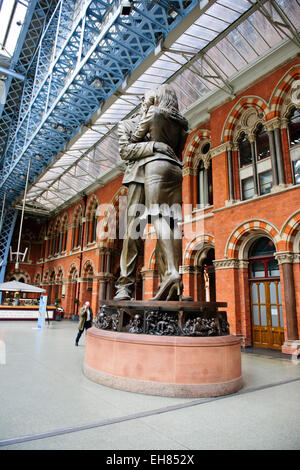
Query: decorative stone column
270, 132
102, 286
292, 342
189, 186
230, 173
279, 154
188, 274
254, 161
228, 290
150, 282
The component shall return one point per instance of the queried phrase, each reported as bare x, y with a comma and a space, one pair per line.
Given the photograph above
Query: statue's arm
142, 128
132, 152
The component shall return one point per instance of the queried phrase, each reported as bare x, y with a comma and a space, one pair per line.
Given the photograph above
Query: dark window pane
262, 143
265, 182
294, 128
245, 151
248, 188
258, 269
273, 268
262, 246
296, 165
206, 148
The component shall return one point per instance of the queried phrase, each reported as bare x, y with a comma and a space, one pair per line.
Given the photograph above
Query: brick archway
281, 90
234, 116
244, 230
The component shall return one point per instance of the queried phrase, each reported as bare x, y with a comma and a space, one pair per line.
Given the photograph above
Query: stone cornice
221, 149
187, 269
230, 263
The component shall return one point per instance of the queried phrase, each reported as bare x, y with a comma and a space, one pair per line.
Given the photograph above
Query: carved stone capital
296, 257
284, 257
273, 124
189, 171
148, 273
186, 269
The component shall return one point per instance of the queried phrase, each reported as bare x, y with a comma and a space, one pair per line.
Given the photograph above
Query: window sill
278, 190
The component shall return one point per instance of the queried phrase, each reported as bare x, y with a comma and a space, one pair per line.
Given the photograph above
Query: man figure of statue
137, 155
163, 183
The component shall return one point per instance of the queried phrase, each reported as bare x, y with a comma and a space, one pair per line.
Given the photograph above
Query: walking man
85, 320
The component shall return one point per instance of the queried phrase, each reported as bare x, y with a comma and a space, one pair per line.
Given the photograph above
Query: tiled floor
47, 402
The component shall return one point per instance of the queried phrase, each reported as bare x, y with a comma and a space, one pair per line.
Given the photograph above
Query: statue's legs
130, 250
163, 198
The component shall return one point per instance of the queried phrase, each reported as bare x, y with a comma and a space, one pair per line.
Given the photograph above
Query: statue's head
166, 97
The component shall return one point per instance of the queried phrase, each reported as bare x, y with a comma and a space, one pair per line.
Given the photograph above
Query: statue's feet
122, 294
171, 287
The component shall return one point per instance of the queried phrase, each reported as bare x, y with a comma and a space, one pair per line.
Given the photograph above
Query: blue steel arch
101, 45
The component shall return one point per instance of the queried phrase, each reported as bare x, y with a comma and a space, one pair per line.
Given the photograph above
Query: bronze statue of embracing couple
151, 143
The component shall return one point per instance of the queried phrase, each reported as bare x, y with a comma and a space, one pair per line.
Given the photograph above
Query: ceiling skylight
12, 14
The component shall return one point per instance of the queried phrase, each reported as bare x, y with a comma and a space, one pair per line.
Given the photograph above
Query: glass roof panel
223, 13
253, 37
238, 5
291, 9
268, 31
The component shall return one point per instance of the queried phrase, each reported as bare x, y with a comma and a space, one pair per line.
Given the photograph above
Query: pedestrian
85, 320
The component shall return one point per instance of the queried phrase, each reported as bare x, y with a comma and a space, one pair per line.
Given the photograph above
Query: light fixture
2, 91
126, 7
97, 83
173, 13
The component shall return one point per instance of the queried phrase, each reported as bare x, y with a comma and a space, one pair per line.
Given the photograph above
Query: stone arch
92, 204
243, 109
86, 265
60, 274
152, 261
281, 101
289, 233
193, 153
72, 268
109, 224
249, 230
77, 214
64, 220
17, 275
200, 244
37, 278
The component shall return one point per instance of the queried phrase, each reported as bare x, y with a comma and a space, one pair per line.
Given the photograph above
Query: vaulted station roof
93, 65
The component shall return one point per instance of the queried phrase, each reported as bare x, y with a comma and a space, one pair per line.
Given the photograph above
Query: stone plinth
171, 366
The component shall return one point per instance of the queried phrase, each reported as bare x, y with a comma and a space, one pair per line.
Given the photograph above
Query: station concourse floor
48, 404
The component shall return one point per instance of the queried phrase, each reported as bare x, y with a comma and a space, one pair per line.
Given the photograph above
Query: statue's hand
160, 147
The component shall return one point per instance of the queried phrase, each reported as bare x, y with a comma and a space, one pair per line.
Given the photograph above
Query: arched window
205, 188
265, 295
77, 228
262, 143
245, 154
91, 230
294, 127
294, 138
255, 163
261, 259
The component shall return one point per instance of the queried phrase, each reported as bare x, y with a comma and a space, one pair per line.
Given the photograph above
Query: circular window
206, 148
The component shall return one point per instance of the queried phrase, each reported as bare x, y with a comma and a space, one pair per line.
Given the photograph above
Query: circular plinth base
173, 366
